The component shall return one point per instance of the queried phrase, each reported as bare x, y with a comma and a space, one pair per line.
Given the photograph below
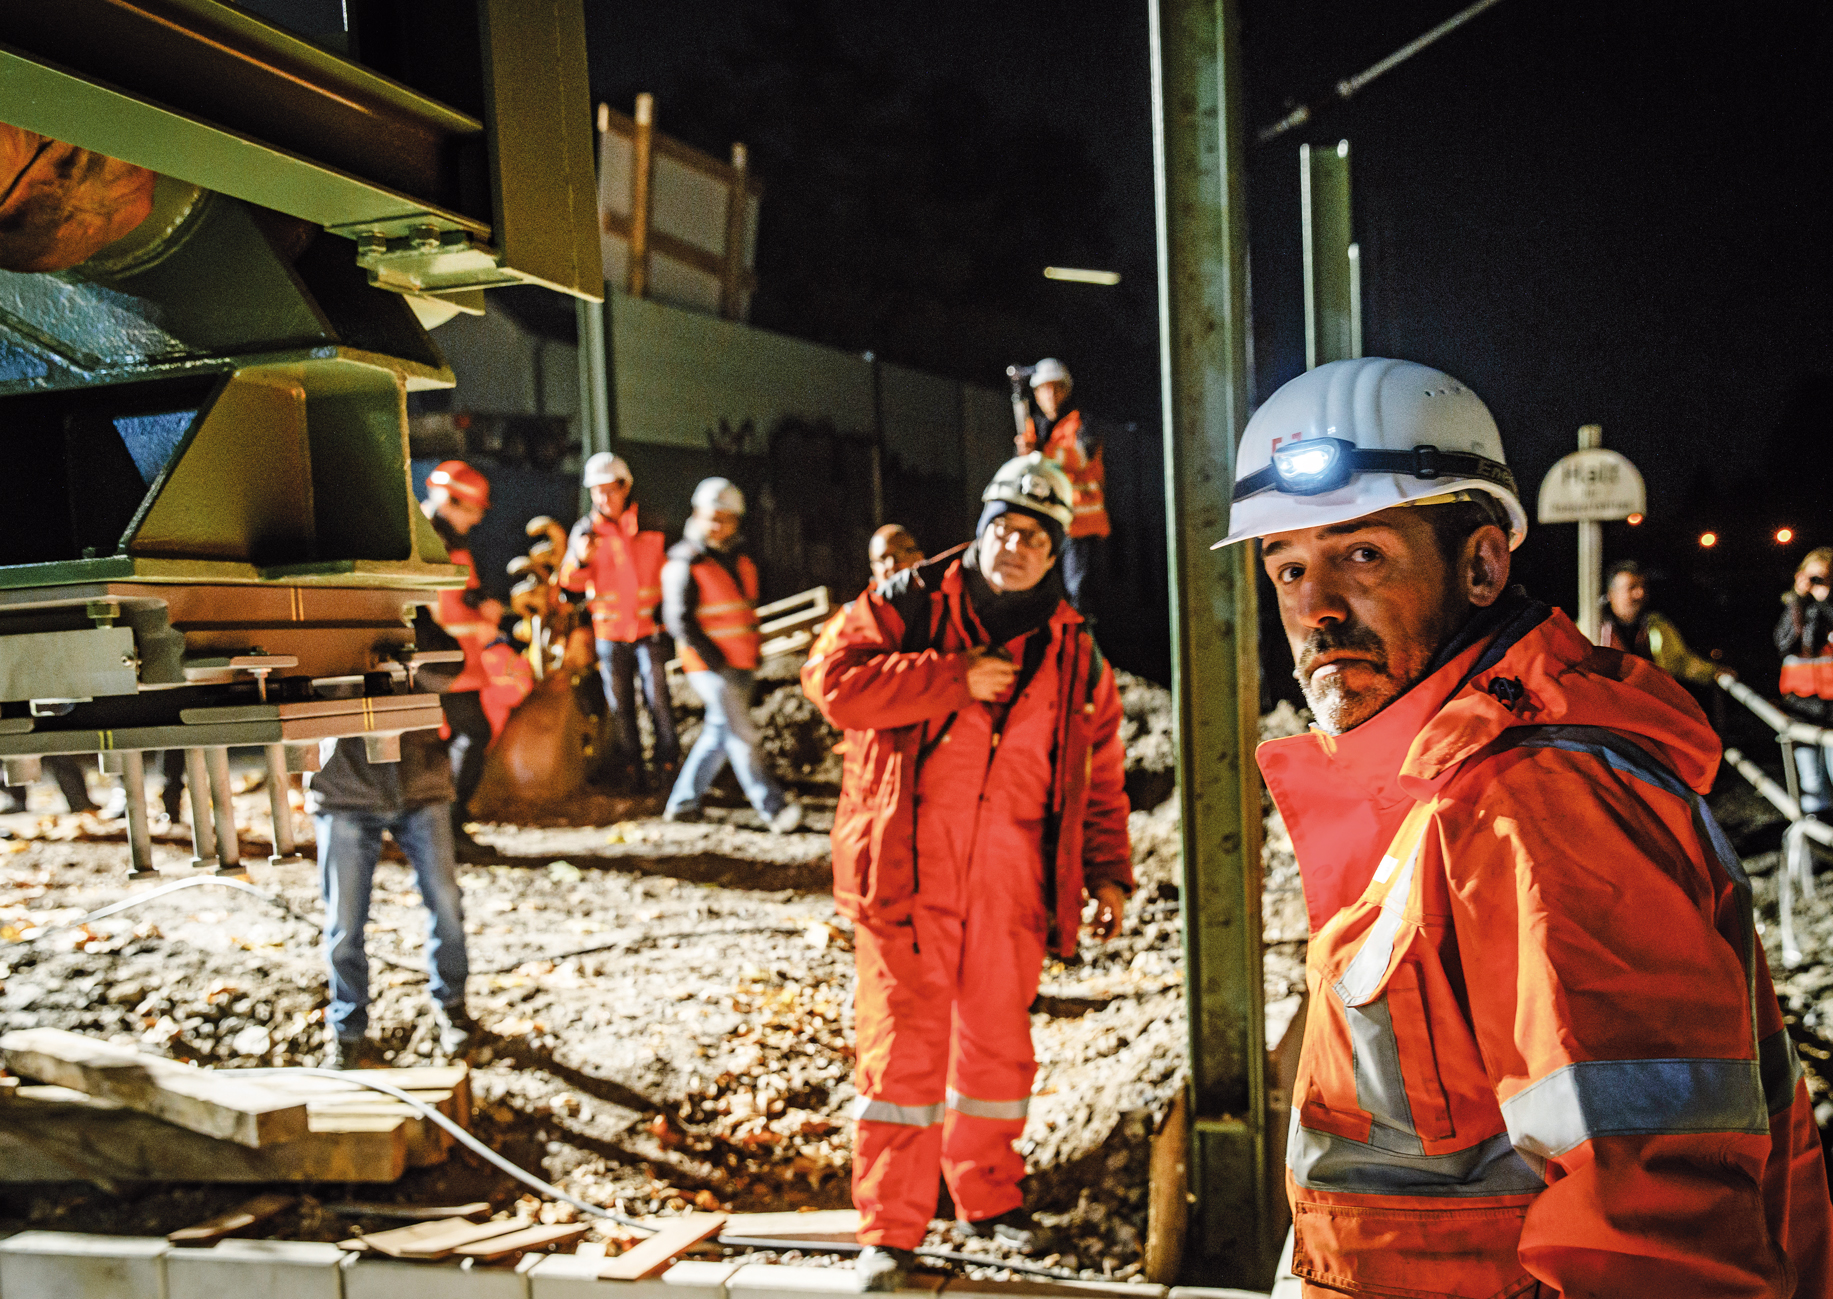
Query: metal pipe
279, 793
203, 836
1199, 182
139, 832
228, 848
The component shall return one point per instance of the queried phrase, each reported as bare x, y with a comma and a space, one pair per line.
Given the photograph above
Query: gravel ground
666, 1008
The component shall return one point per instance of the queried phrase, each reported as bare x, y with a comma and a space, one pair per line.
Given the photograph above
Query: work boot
1017, 1228
683, 815
353, 1053
880, 1267
468, 850
457, 1030
788, 817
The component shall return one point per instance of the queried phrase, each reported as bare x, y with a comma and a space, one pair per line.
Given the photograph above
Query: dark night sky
1591, 212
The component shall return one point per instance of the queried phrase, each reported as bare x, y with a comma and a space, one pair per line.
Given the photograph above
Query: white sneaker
788, 818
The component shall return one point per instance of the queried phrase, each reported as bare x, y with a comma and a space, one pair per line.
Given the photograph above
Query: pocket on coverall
1412, 1253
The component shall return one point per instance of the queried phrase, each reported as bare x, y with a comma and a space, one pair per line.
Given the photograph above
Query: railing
1804, 833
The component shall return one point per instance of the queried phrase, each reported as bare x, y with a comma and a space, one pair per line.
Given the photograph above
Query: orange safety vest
466, 626
511, 678
1808, 678
1087, 474
622, 579
727, 613
1544, 1055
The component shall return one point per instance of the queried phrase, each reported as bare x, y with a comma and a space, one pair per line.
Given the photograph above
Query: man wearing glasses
980, 804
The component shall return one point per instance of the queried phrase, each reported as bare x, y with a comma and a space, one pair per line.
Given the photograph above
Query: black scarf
1008, 615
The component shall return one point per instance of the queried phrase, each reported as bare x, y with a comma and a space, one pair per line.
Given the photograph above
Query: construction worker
1543, 1054
709, 602
619, 568
457, 498
983, 740
1060, 431
1626, 623
892, 550
1804, 638
353, 803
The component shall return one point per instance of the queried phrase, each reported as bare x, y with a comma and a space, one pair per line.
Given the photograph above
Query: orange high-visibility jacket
1544, 1055
465, 625
726, 611
511, 678
623, 577
1087, 473
932, 773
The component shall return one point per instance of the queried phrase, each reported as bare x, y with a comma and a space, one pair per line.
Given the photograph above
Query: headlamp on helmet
1313, 466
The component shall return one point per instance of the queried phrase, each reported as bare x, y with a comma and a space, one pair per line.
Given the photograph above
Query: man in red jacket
1543, 1055
618, 567
980, 802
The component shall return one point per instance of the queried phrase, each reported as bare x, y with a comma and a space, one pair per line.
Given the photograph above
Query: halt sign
1592, 485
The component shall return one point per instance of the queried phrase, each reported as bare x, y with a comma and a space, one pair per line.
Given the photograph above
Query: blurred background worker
353, 803
709, 601
1628, 624
1803, 639
967, 682
69, 771
1059, 430
892, 550
619, 568
457, 498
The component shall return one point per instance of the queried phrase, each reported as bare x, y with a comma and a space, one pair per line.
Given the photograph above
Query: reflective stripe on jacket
464, 625
1087, 472
622, 578
726, 613
1544, 1048
929, 767
1807, 678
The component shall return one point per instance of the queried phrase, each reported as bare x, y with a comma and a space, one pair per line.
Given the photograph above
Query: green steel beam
1203, 324
1333, 306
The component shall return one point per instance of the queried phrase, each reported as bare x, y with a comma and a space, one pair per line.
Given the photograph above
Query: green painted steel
1333, 308
1203, 324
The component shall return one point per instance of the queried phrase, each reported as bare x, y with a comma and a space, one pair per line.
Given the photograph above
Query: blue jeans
1811, 766
619, 663
729, 733
348, 845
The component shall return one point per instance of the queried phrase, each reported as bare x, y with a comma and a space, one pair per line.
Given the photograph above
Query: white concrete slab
568, 1276
960, 1288
70, 1265
283, 1269
392, 1278
779, 1280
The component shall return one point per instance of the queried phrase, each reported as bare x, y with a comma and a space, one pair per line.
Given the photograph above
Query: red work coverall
940, 858
1544, 1055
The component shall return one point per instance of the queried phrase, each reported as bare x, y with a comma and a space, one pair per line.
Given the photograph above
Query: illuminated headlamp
1312, 466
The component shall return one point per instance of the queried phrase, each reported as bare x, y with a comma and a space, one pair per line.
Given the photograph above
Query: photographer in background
1807, 670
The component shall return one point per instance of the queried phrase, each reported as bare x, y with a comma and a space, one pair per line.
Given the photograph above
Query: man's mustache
1340, 638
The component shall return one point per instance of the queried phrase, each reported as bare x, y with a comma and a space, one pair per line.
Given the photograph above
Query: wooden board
210, 1102
417, 1080
52, 1134
240, 1218
830, 1225
521, 1242
436, 1239
652, 1256
409, 1212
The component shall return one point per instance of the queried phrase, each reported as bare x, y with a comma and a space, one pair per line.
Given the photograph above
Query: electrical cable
948, 1255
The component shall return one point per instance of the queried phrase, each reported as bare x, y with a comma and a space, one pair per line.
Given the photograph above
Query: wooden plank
652, 1257
1167, 1196
416, 1080
240, 1218
53, 1134
213, 1103
427, 1142
822, 1225
521, 1242
408, 1212
433, 1240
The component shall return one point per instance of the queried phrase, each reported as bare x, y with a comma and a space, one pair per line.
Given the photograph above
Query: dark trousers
619, 662
1085, 573
470, 737
64, 768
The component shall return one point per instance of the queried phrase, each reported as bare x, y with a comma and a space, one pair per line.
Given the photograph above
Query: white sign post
1589, 487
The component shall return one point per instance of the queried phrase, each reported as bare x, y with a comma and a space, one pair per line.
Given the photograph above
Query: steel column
1333, 330
203, 834
228, 847
1203, 324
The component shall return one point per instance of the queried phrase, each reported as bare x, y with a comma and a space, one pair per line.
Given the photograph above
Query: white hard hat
1049, 370
719, 494
1036, 482
1352, 438
606, 468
